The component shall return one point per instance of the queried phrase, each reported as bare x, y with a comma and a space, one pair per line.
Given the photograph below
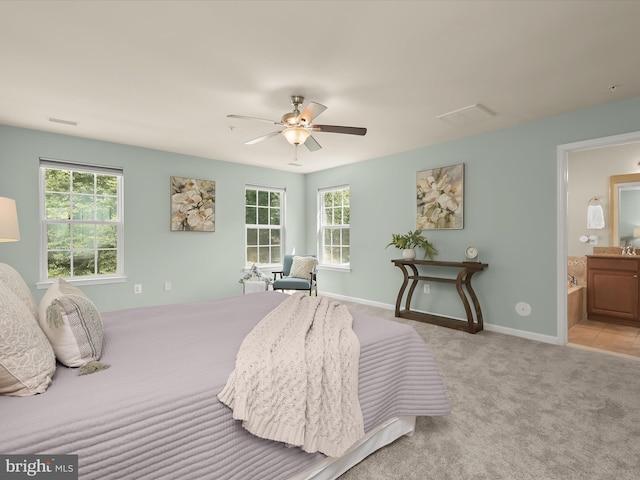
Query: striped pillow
72, 323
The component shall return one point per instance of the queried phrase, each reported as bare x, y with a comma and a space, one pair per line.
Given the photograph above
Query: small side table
253, 286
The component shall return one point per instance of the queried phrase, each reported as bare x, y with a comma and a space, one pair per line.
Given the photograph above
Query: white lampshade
9, 231
636, 232
296, 135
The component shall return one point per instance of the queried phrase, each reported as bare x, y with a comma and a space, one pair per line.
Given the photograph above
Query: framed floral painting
193, 204
440, 198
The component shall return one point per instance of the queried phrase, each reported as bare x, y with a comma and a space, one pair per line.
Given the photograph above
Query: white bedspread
296, 377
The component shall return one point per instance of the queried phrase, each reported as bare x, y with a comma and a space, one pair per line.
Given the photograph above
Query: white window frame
118, 276
283, 196
322, 262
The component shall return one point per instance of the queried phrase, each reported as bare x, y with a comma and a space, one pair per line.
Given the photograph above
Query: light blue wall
510, 215
199, 265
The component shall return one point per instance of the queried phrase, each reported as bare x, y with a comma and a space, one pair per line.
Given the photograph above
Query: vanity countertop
610, 252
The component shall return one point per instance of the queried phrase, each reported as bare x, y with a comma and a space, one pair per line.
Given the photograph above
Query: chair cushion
289, 283
302, 267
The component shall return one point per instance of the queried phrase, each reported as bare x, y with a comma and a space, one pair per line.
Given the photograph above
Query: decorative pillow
27, 363
57, 289
72, 323
12, 279
302, 267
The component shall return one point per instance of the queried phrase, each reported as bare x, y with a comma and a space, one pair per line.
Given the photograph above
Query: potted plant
408, 242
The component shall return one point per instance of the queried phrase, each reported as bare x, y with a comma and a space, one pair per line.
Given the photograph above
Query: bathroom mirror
624, 209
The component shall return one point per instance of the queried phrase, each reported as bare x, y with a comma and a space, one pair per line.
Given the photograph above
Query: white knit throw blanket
296, 377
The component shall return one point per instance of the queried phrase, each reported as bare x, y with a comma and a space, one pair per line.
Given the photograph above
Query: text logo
50, 467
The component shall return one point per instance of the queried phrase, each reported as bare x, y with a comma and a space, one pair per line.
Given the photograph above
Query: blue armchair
297, 275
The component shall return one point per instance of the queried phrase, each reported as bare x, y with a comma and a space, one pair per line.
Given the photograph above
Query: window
335, 216
264, 231
81, 219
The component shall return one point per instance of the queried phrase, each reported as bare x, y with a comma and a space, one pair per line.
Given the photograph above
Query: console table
466, 271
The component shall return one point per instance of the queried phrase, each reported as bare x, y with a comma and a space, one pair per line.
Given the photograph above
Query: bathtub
575, 304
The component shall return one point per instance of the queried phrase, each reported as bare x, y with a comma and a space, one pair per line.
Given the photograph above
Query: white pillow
27, 363
12, 279
72, 323
302, 267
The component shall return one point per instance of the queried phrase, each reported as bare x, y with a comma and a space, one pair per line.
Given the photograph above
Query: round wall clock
472, 254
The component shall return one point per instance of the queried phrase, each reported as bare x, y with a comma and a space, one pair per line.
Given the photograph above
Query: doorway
591, 334
620, 339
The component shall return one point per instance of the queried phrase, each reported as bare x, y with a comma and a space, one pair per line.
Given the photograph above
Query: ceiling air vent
64, 122
467, 115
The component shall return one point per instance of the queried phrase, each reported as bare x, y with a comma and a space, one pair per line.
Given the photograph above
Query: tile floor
606, 336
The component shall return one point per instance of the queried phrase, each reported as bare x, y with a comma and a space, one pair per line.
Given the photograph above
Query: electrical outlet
167, 286
427, 288
137, 288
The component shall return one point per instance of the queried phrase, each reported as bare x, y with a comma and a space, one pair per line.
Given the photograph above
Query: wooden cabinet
613, 290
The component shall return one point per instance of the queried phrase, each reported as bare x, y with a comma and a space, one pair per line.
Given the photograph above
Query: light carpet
521, 409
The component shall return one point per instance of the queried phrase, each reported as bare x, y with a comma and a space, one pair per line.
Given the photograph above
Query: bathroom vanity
613, 293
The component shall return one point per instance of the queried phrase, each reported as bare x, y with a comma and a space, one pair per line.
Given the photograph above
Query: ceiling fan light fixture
296, 126
290, 118
296, 135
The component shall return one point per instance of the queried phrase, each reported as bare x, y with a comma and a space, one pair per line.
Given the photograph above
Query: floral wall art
439, 196
192, 204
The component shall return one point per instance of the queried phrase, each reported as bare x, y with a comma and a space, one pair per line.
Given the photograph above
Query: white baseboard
362, 301
489, 327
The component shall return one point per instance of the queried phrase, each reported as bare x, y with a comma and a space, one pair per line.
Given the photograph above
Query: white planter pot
409, 254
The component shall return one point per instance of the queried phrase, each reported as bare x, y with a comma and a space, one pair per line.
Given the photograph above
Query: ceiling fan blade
312, 144
261, 138
339, 129
310, 112
243, 117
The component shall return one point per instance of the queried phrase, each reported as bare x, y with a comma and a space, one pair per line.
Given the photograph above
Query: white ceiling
165, 74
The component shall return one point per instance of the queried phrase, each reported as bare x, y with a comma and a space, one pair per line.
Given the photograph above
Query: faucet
573, 279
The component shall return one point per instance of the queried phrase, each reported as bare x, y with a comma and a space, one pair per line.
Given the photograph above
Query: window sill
43, 284
265, 266
335, 268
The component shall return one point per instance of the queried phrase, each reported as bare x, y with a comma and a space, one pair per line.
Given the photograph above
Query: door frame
562, 216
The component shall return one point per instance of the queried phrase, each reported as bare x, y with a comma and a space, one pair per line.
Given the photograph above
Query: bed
154, 414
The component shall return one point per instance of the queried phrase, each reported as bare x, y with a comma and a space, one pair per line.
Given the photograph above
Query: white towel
595, 217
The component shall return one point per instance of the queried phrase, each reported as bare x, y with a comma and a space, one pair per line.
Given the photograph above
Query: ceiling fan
299, 125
